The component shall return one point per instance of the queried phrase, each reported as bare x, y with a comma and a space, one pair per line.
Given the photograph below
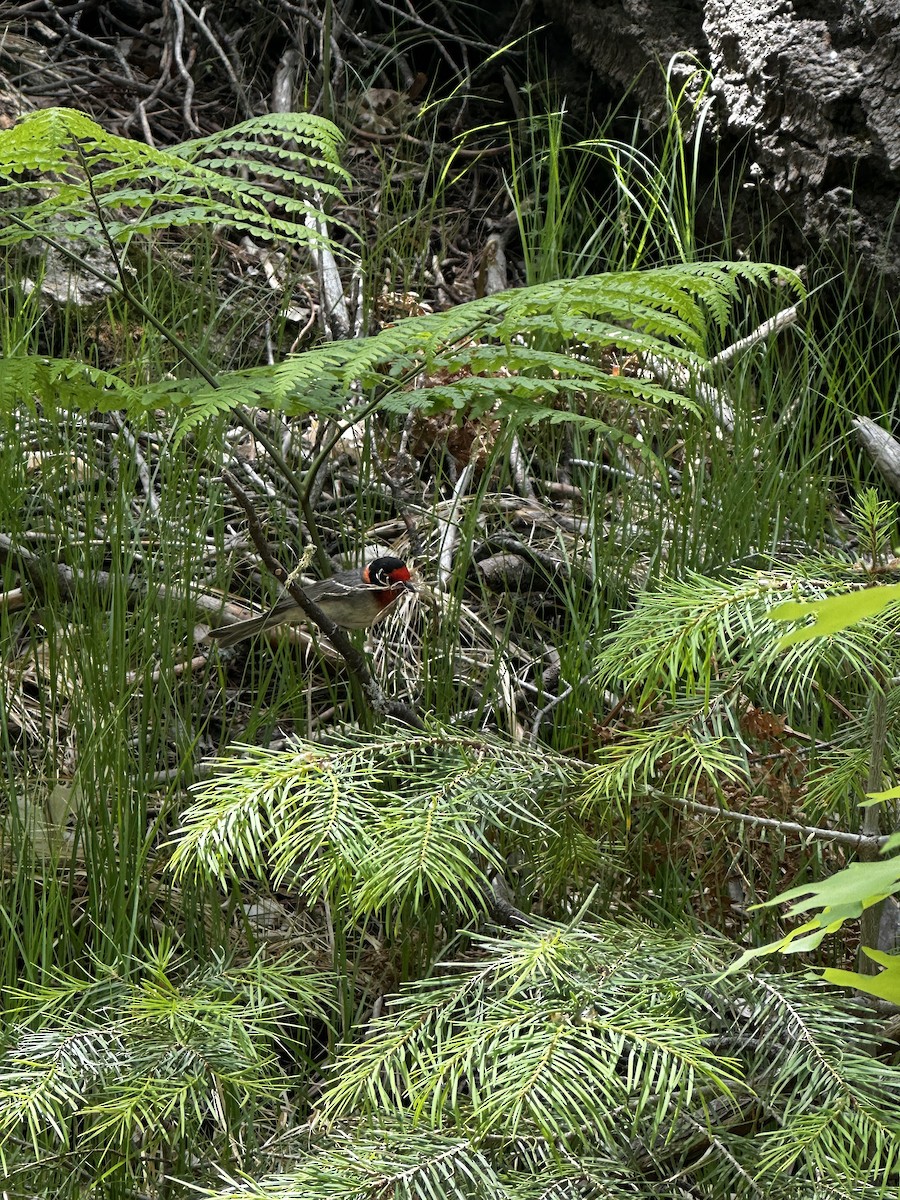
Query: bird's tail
230, 635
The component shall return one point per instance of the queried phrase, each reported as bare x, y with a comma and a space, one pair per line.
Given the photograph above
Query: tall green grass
95, 778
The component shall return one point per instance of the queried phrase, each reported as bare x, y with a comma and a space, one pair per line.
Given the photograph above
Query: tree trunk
811, 90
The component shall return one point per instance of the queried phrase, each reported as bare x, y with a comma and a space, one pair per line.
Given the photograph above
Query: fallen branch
675, 375
773, 325
881, 447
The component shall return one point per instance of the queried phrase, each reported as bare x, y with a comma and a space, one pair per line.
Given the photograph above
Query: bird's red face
390, 575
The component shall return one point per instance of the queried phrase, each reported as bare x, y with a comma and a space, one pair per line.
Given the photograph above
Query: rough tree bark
811, 88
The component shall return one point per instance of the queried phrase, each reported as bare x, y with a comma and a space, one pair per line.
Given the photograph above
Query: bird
353, 599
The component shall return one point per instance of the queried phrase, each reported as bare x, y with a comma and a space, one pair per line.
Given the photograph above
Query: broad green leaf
791, 943
878, 797
842, 897
853, 889
886, 985
834, 613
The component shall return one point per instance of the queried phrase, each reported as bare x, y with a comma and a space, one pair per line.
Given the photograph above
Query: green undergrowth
224, 999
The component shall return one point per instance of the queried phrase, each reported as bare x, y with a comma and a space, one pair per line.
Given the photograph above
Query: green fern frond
222, 179
282, 133
41, 141
520, 353
76, 384
525, 354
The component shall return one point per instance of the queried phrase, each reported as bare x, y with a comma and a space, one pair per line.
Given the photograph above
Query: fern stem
327, 96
